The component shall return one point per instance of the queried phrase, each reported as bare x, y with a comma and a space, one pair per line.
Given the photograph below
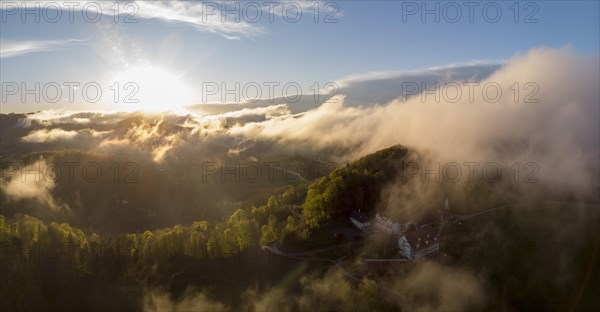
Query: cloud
17, 48
275, 299
331, 292
192, 301
383, 87
553, 122
327, 291
169, 142
203, 16
44, 135
98, 134
154, 136
546, 114
433, 287
198, 15
32, 187
471, 68
372, 88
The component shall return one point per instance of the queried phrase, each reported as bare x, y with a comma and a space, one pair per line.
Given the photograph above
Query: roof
413, 236
406, 216
428, 218
359, 216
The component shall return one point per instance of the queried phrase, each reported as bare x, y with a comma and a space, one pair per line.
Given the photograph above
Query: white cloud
383, 87
16, 48
59, 116
559, 132
44, 135
30, 188
203, 15
197, 14
384, 75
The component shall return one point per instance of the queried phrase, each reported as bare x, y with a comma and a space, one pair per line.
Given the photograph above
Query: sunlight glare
155, 89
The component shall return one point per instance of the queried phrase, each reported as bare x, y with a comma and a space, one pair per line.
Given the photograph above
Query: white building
416, 244
385, 224
359, 219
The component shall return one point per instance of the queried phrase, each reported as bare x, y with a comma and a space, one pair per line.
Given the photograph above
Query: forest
45, 264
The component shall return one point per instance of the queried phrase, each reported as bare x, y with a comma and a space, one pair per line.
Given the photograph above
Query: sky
166, 55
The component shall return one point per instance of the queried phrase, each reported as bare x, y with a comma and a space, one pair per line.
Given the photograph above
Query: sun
148, 88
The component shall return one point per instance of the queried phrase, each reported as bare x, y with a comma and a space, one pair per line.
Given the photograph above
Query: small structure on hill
386, 225
445, 215
359, 219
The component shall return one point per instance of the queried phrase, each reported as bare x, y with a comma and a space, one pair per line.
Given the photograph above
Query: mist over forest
299, 156
173, 211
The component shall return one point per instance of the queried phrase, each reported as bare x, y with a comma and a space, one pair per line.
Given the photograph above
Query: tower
445, 213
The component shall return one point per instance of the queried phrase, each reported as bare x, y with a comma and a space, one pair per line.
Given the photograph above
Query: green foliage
3, 229
368, 293
352, 187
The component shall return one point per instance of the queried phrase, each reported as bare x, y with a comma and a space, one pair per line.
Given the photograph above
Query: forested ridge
45, 259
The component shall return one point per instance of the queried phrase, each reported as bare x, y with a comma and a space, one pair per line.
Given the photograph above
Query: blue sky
172, 40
